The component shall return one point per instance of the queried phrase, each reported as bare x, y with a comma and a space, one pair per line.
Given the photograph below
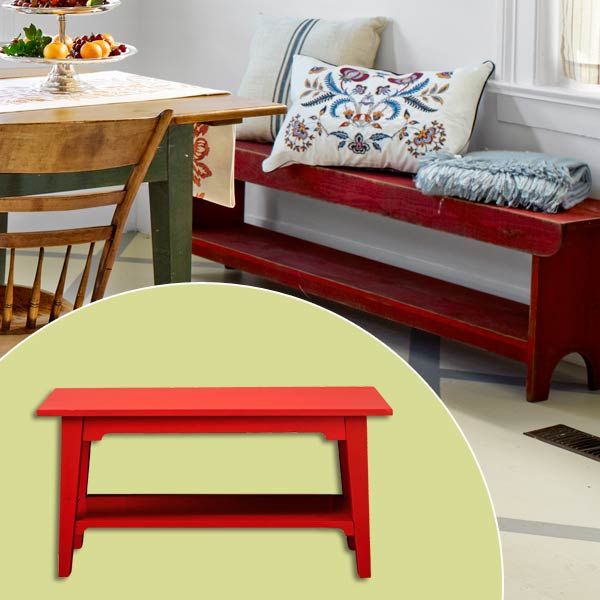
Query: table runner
214, 147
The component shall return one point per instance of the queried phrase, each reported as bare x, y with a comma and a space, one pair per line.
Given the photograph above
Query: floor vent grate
570, 439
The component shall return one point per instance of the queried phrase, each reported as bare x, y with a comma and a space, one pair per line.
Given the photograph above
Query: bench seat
395, 196
215, 402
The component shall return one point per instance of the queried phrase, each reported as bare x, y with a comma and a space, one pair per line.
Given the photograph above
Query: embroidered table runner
214, 147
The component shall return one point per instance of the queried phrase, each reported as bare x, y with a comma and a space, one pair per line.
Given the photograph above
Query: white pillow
348, 116
278, 39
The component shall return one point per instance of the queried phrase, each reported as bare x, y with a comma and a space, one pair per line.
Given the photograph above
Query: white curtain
581, 40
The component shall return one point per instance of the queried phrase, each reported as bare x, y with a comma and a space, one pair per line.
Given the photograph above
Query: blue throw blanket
518, 179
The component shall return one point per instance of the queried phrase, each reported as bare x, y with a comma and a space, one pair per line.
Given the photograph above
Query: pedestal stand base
63, 79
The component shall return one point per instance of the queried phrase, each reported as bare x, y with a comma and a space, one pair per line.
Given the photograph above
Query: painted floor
547, 500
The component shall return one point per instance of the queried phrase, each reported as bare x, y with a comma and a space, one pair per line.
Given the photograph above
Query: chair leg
358, 479
71, 452
83, 488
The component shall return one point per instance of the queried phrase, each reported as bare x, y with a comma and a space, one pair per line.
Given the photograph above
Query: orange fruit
91, 50
56, 50
106, 49
110, 39
68, 41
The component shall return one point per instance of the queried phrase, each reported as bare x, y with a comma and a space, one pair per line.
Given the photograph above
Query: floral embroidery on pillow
351, 105
298, 136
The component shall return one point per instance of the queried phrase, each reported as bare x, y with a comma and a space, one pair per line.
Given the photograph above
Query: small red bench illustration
339, 413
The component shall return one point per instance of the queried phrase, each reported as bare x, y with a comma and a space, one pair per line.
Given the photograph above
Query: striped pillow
278, 39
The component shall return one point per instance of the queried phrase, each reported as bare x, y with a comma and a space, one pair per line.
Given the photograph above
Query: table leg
171, 210
70, 461
83, 487
358, 478
3, 229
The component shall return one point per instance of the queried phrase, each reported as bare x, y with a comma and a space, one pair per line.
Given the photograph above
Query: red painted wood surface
217, 511
394, 195
442, 308
89, 414
70, 466
565, 249
216, 402
95, 428
565, 311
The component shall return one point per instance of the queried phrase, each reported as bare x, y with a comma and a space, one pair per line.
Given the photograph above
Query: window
531, 85
580, 40
550, 44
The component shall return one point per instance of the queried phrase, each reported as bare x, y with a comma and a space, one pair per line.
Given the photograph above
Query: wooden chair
70, 148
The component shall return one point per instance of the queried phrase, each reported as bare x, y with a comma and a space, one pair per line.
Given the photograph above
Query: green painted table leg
3, 229
171, 211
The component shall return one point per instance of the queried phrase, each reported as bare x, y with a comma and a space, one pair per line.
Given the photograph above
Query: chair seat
21, 299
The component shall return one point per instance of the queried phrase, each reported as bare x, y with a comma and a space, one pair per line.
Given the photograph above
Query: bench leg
592, 362
70, 461
565, 311
358, 483
207, 214
345, 480
83, 488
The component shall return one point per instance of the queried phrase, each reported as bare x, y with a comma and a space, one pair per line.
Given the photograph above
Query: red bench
563, 316
339, 413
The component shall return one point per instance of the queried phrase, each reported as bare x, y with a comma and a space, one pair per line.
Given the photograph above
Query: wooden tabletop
200, 109
216, 402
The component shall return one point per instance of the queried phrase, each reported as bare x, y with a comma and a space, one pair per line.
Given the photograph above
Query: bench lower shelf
442, 308
216, 511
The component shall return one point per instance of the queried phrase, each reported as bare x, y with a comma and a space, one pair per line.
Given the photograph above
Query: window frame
530, 86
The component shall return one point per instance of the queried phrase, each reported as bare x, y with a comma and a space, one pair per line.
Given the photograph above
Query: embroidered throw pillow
278, 39
353, 117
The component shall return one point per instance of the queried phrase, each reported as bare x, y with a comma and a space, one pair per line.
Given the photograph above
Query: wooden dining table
170, 177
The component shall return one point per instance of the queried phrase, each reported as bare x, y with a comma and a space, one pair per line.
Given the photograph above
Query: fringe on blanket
533, 181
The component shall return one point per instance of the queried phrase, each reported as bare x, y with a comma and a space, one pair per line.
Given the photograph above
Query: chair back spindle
85, 277
60, 288
7, 308
36, 292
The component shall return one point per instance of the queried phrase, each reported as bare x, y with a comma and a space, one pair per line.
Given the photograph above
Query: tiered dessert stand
63, 77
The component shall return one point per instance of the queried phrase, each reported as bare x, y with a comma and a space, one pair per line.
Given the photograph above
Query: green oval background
433, 528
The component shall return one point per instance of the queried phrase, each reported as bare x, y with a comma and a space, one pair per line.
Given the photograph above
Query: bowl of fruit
35, 46
63, 53
56, 7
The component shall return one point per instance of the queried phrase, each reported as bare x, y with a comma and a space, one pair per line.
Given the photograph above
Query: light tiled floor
547, 500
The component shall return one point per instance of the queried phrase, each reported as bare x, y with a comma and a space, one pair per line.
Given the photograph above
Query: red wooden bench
564, 313
338, 413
